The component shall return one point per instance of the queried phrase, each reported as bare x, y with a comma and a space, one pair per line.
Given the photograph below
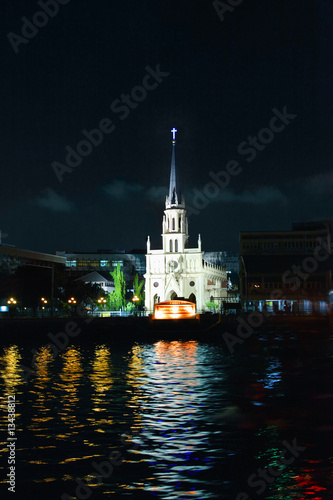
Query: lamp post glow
135, 302
102, 302
11, 302
71, 302
44, 301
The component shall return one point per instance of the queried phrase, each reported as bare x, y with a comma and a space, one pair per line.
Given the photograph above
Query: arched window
173, 223
192, 298
179, 223
176, 245
170, 245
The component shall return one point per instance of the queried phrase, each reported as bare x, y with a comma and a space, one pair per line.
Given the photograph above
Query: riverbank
122, 328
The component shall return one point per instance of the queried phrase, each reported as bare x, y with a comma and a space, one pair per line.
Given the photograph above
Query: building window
179, 223
116, 262
92, 263
173, 223
170, 249
71, 263
192, 283
156, 284
176, 246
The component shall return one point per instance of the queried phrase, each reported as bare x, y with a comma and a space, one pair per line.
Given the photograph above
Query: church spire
174, 197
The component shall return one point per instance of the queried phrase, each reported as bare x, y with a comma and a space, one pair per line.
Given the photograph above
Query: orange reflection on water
10, 373
176, 351
173, 379
101, 376
41, 397
136, 374
136, 377
102, 380
43, 362
70, 381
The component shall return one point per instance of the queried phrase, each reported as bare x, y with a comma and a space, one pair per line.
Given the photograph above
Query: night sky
218, 84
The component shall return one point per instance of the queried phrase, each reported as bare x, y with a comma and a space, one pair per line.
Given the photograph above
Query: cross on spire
173, 131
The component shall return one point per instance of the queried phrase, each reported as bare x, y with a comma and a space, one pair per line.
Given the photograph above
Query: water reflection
200, 421
307, 483
67, 387
136, 378
9, 371
102, 379
101, 376
41, 398
295, 480
172, 439
11, 378
273, 373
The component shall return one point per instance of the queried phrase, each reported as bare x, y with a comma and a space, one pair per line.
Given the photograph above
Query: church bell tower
175, 224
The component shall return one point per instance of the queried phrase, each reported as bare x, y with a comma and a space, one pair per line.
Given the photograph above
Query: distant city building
229, 260
18, 257
28, 257
287, 271
104, 261
176, 270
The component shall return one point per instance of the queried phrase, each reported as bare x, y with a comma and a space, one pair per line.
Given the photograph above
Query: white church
176, 271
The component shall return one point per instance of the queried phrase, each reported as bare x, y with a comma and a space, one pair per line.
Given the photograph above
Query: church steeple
175, 224
175, 198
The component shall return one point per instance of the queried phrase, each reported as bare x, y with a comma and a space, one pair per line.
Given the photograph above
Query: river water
171, 419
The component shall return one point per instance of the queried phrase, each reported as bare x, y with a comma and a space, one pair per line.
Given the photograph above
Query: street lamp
102, 302
44, 301
71, 302
12, 302
135, 302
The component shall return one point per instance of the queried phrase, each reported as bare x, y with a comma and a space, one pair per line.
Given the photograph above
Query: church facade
175, 270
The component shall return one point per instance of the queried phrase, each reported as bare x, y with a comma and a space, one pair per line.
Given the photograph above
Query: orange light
174, 309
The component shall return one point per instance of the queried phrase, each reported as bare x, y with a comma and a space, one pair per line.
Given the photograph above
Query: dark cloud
53, 201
